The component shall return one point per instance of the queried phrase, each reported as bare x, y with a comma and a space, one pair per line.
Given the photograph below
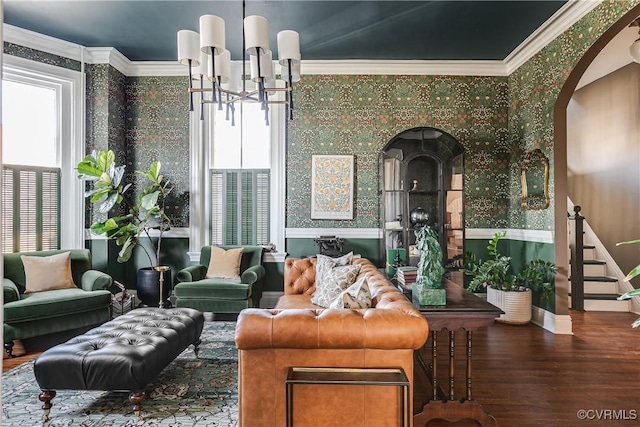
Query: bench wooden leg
196, 347
136, 398
8, 347
46, 396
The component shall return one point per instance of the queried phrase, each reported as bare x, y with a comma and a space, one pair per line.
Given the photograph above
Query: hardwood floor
525, 376
21, 357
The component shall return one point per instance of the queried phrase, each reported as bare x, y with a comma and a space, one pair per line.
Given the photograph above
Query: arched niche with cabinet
422, 174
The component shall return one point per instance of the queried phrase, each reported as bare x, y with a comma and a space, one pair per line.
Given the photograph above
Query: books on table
407, 275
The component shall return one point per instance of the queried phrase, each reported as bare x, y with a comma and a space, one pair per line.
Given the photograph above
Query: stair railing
577, 260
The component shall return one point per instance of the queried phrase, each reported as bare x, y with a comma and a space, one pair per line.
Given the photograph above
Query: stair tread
598, 279
588, 246
593, 262
601, 296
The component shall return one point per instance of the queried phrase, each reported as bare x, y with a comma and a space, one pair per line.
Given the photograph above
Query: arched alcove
422, 173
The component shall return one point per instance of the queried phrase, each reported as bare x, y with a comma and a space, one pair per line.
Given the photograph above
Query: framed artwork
332, 187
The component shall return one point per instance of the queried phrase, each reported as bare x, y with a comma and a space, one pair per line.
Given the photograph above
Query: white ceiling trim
406, 67
108, 55
41, 42
566, 16
562, 20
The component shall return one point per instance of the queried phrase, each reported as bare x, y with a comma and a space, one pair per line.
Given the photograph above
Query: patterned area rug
188, 392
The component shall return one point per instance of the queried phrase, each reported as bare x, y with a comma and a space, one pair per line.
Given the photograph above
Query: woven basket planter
516, 305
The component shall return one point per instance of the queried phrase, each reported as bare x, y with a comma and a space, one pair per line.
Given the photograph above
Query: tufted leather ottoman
123, 354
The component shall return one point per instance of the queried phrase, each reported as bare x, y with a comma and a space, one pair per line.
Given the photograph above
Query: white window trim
70, 138
200, 136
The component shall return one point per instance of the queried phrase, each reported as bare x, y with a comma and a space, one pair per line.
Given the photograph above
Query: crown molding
563, 19
559, 22
405, 67
33, 40
157, 68
108, 55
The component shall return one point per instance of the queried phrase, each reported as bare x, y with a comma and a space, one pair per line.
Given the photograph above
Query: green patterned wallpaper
359, 114
40, 56
533, 91
105, 119
157, 128
495, 118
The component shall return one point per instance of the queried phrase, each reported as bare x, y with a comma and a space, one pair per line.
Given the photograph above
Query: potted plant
633, 273
509, 292
138, 219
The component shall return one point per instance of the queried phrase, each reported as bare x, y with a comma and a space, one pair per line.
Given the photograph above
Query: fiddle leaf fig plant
496, 272
146, 214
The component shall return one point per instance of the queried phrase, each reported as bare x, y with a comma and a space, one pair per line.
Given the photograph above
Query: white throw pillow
47, 273
356, 296
224, 264
325, 263
332, 279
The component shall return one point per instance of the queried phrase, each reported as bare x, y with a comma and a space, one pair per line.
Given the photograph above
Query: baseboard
270, 298
556, 323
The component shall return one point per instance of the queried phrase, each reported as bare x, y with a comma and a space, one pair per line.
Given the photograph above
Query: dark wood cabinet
422, 174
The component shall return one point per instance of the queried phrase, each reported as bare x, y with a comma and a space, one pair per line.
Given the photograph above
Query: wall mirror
534, 175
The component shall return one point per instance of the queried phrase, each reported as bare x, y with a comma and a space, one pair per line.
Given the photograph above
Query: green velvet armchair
27, 315
218, 295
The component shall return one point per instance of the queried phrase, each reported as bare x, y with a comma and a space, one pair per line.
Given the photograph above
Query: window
227, 162
42, 142
240, 178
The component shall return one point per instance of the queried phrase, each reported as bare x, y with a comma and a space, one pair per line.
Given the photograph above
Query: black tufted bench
121, 355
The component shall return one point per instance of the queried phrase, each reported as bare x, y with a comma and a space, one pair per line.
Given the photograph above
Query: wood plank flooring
525, 376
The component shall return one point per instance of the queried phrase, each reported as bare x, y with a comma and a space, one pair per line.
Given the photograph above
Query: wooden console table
464, 311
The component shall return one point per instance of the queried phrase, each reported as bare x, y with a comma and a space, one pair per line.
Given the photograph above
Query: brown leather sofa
298, 333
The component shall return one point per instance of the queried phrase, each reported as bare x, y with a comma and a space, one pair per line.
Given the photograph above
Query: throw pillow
332, 281
324, 263
357, 295
224, 264
46, 273
343, 260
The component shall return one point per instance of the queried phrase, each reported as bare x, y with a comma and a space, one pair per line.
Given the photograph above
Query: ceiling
145, 30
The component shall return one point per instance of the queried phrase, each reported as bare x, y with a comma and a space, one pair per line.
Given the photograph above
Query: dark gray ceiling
145, 30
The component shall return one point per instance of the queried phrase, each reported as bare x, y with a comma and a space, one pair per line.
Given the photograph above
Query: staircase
602, 277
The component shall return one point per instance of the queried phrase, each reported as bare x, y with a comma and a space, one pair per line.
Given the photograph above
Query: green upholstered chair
42, 313
217, 295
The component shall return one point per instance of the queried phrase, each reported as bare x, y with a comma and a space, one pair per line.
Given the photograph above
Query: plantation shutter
239, 207
31, 208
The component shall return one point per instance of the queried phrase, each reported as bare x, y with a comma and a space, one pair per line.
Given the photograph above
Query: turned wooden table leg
434, 364
45, 397
468, 365
136, 398
452, 373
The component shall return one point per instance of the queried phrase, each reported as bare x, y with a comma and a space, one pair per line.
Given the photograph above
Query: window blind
31, 208
239, 206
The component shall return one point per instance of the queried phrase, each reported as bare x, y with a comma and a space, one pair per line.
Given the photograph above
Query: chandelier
208, 59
